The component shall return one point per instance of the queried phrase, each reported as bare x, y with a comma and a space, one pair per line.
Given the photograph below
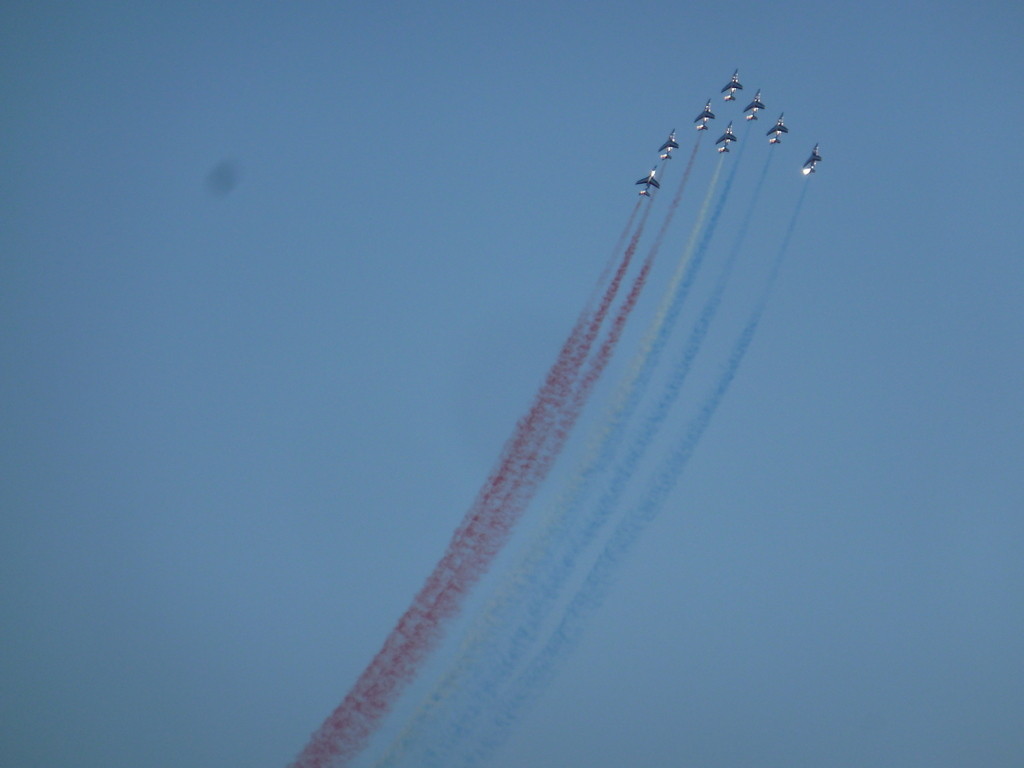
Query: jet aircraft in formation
812, 161
703, 117
726, 137
666, 148
732, 86
753, 106
649, 181
776, 131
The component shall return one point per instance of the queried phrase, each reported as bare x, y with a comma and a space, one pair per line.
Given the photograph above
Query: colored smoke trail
556, 428
660, 411
597, 584
604, 353
559, 434
437, 727
674, 205
676, 291
525, 460
573, 547
646, 361
613, 259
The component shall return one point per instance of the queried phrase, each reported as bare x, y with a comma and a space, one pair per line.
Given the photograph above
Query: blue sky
241, 419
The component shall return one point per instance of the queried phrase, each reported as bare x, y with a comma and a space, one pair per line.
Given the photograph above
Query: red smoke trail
519, 466
613, 259
599, 362
500, 503
679, 196
562, 419
604, 353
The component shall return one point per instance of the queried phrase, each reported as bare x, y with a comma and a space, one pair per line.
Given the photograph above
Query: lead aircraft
732, 86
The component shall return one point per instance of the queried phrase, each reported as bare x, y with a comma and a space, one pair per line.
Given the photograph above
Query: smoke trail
613, 259
563, 419
438, 707
571, 532
485, 528
668, 217
601, 359
594, 590
656, 417
678, 196
554, 556
568, 417
647, 361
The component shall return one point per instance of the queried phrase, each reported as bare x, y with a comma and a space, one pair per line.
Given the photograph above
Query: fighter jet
703, 117
649, 181
812, 161
732, 86
776, 131
753, 106
668, 146
726, 137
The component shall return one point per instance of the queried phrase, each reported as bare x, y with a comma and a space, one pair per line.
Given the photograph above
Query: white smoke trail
528, 685
437, 726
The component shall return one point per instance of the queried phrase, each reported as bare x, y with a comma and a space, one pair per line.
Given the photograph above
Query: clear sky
277, 279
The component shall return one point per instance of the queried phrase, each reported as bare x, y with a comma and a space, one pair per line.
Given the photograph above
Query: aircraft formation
701, 124
527, 626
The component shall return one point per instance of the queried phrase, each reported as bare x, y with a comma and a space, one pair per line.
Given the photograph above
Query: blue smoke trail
597, 584
435, 729
659, 413
698, 333
552, 559
544, 580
